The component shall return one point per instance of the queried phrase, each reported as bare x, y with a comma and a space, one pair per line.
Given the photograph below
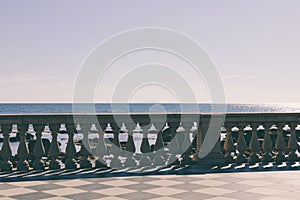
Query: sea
39, 108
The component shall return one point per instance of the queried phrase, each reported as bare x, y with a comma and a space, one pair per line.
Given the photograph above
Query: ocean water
144, 108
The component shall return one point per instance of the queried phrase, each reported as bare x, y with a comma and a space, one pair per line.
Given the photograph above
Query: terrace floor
273, 185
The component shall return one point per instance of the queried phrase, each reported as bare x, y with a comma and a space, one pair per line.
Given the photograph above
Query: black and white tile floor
276, 185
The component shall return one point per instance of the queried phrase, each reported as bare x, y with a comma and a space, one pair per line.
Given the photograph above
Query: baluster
297, 129
71, 150
23, 152
241, 146
159, 150
113, 151
46, 138
280, 146
38, 153
235, 134
286, 133
6, 155
100, 152
193, 136
254, 148
229, 148
174, 147
298, 135
292, 147
137, 138
123, 138
267, 147
273, 135
14, 139
85, 151
167, 138
180, 137
223, 134
78, 137
187, 148
151, 139
54, 151
130, 147
248, 134
62, 139
148, 145
145, 148
1, 141
31, 137
260, 135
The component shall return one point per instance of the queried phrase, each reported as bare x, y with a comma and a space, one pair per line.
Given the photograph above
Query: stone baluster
173, 147
181, 138
187, 149
113, 152
297, 131
267, 147
280, 147
248, 134
286, 132
46, 137
183, 143
292, 147
38, 152
159, 158
130, 161
31, 137
54, 151
1, 141
235, 134
78, 137
145, 148
6, 154
71, 150
152, 137
273, 135
85, 150
241, 146
62, 139
254, 148
14, 139
194, 140
229, 148
23, 152
223, 134
100, 152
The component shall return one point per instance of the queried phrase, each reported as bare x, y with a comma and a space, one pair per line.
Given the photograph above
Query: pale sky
254, 44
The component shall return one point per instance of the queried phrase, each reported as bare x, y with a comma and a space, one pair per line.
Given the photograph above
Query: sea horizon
38, 108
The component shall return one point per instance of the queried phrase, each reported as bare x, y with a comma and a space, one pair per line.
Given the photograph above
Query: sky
255, 46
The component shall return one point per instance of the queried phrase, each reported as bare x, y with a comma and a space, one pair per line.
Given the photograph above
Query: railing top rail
156, 113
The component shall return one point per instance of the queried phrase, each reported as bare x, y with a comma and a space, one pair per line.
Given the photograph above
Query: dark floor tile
191, 196
188, 187
92, 187
141, 187
33, 196
245, 195
45, 187
139, 196
85, 196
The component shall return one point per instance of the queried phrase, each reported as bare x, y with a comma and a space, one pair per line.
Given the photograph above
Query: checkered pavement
274, 185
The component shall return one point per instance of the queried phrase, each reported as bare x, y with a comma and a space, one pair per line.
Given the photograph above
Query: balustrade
54, 142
